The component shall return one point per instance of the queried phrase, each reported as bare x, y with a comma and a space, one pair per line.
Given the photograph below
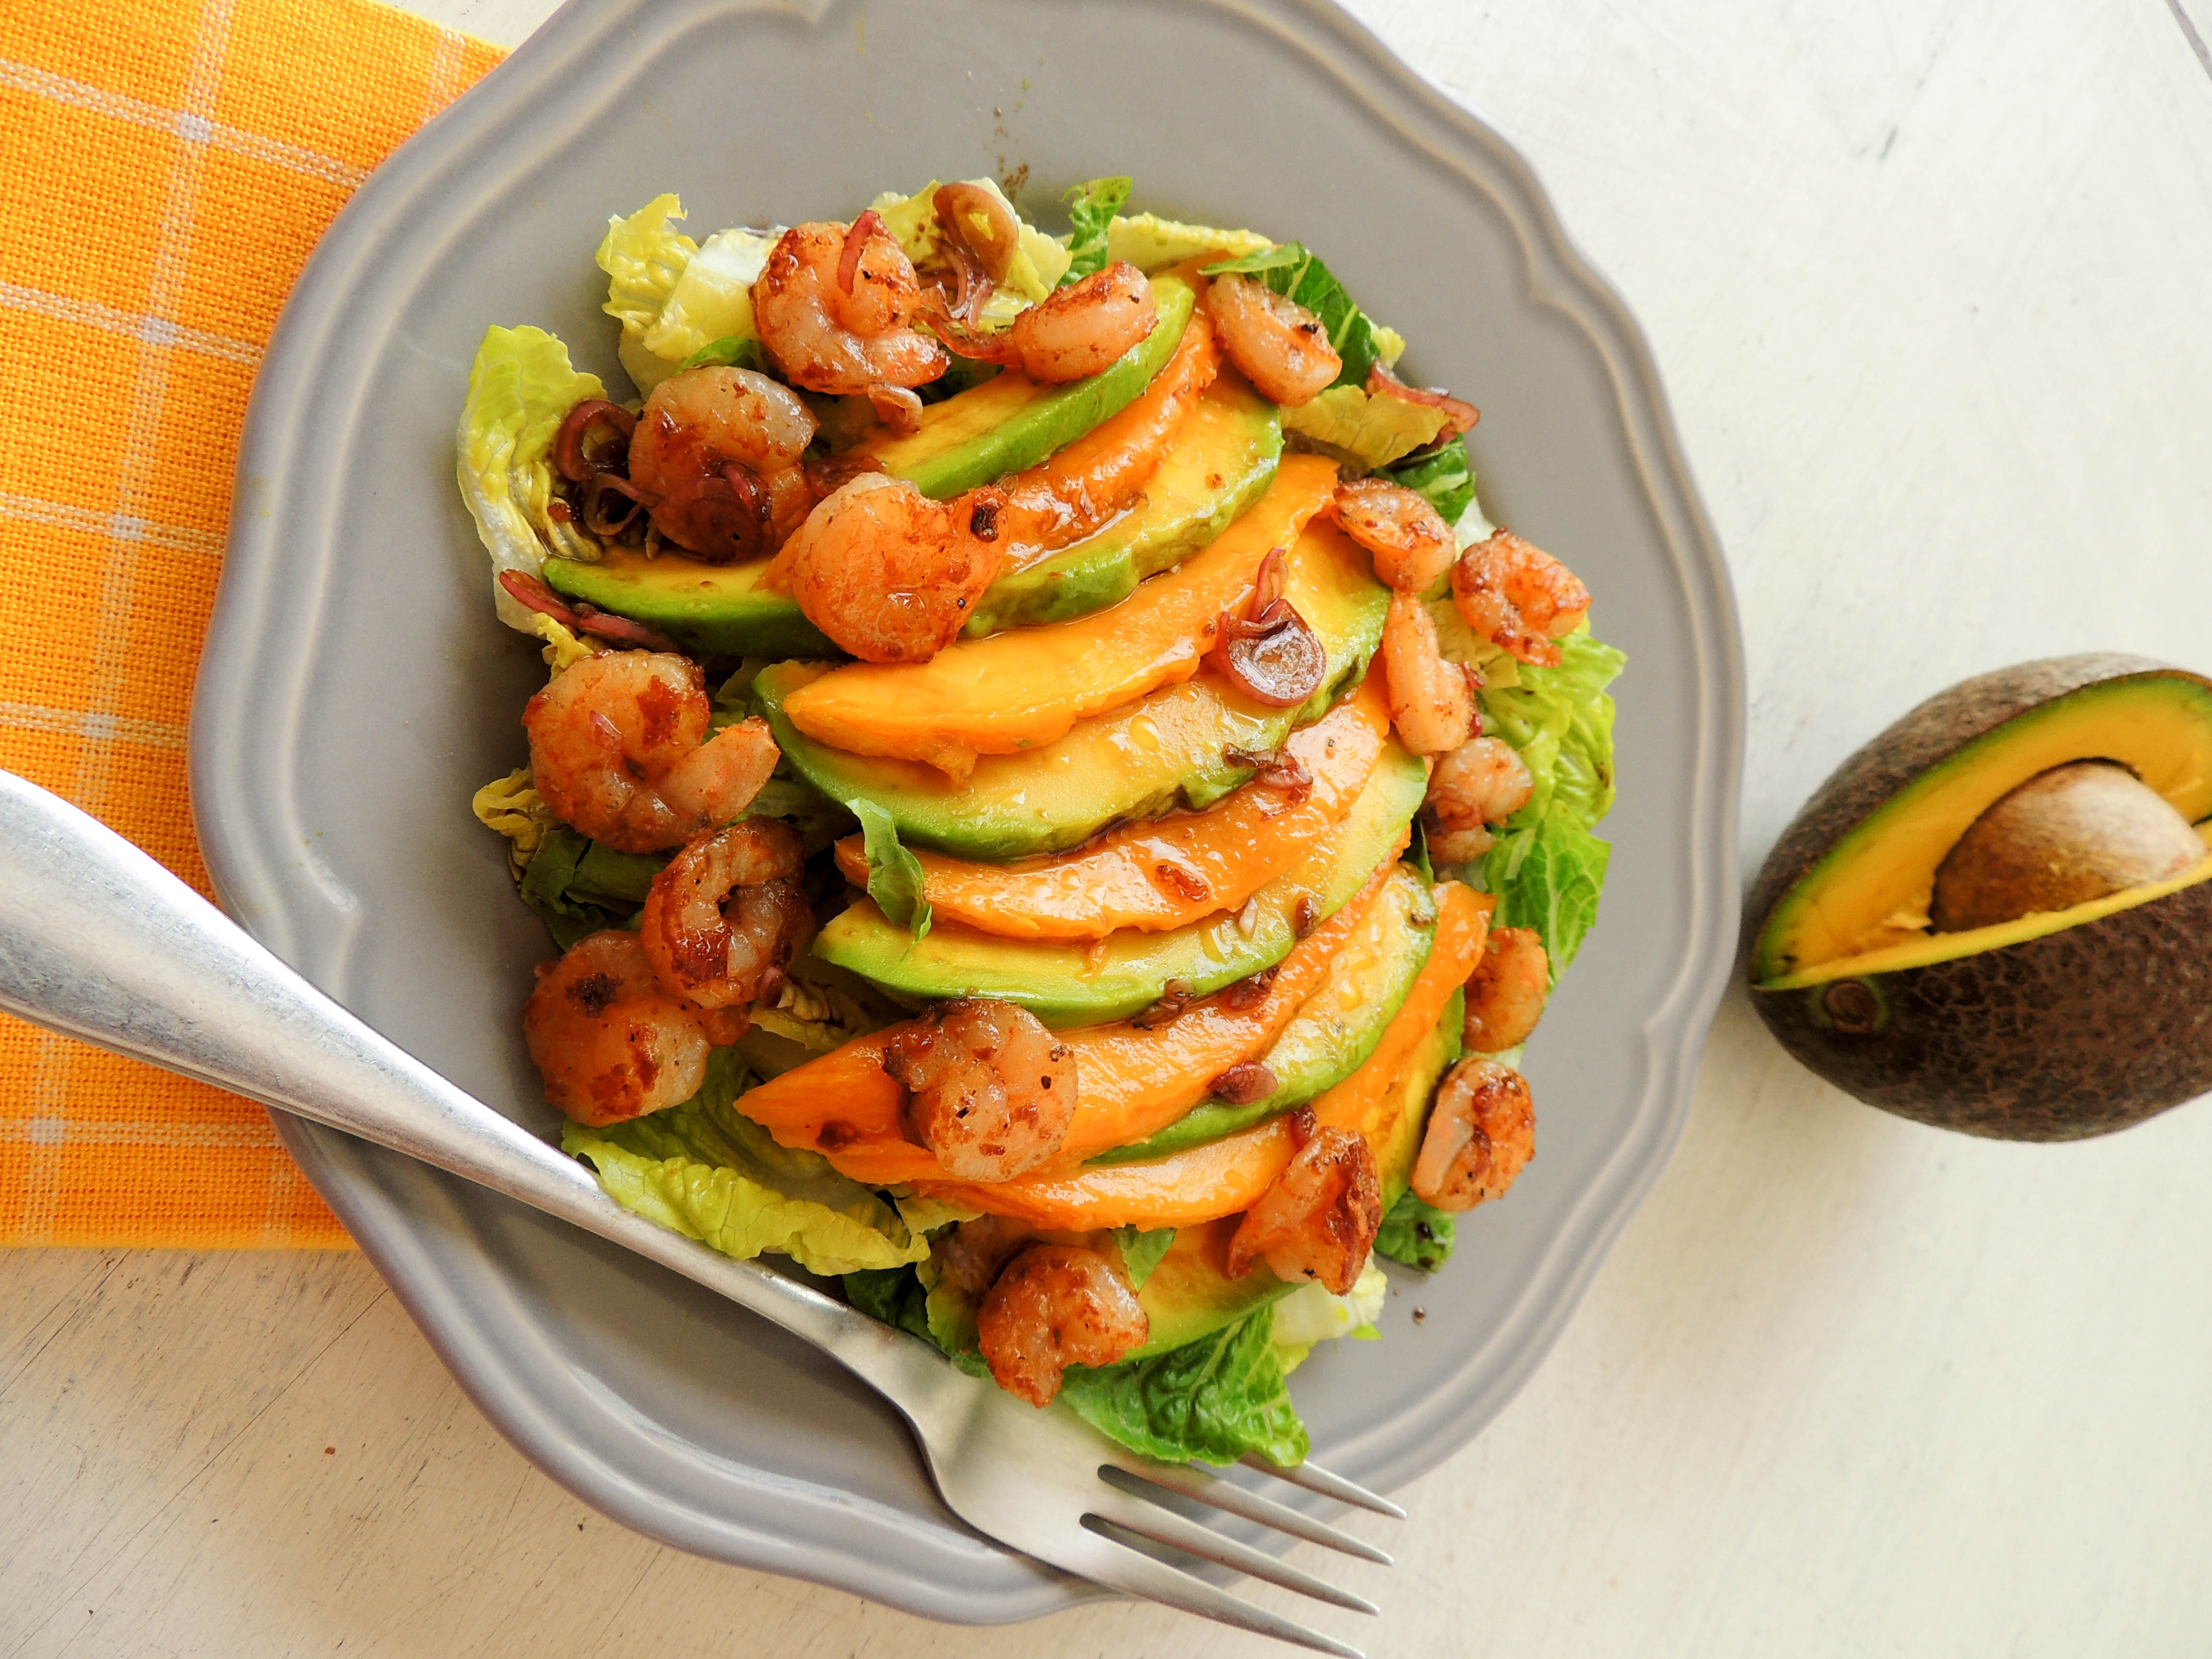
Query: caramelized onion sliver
1382, 383
957, 204
723, 515
849, 261
1275, 659
572, 446
532, 593
603, 485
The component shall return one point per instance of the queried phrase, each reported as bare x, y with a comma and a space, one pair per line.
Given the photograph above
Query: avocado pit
2068, 835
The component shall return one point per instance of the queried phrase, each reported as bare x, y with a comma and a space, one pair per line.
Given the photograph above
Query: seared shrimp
889, 573
968, 1257
1505, 993
611, 1042
1482, 1132
1518, 597
715, 458
1431, 702
1079, 330
725, 917
1281, 347
835, 306
990, 1090
1482, 782
619, 750
1407, 539
1319, 1218
1057, 1305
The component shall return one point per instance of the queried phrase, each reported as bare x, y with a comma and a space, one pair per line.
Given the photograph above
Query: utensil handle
99, 941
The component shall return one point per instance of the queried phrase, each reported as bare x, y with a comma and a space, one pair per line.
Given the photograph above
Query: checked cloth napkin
165, 170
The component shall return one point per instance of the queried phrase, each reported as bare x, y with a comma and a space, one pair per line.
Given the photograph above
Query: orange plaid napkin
164, 172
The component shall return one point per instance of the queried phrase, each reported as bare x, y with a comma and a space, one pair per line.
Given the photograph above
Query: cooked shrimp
1079, 330
836, 305
1482, 1132
1518, 597
1431, 702
611, 1042
725, 917
887, 573
990, 1090
968, 1257
1407, 538
1281, 347
1482, 782
1319, 1218
619, 750
1506, 992
1057, 1305
715, 458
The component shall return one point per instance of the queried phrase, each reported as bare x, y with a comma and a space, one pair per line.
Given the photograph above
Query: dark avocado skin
2037, 1040
1938, 728
2043, 1040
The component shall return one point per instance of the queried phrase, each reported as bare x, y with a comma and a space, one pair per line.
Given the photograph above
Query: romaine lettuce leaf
521, 387
1151, 243
1090, 209
1216, 1400
1419, 1235
1141, 1250
707, 1171
894, 876
578, 887
1292, 271
677, 299
1443, 475
1546, 867
1373, 432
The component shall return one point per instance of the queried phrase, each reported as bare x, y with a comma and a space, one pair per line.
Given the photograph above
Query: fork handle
99, 941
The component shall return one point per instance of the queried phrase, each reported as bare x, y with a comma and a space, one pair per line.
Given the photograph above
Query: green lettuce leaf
1141, 1250
895, 878
1370, 432
730, 351
1443, 475
1546, 867
677, 299
1215, 1400
578, 887
1151, 243
521, 387
708, 1172
1090, 209
1419, 1235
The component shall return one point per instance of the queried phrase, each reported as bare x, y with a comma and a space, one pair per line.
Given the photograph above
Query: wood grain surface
1929, 285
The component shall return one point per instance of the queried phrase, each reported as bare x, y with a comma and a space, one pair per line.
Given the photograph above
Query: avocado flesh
1170, 748
711, 610
1222, 462
1190, 1295
1011, 423
1070, 984
1871, 890
1333, 1031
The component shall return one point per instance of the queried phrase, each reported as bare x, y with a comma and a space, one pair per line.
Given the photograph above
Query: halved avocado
1190, 1295
1170, 748
1333, 1031
1070, 984
2051, 1026
1011, 421
1222, 462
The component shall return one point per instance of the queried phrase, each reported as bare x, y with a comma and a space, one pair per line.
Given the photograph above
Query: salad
1053, 805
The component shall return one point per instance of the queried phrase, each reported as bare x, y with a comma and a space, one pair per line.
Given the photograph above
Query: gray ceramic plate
356, 689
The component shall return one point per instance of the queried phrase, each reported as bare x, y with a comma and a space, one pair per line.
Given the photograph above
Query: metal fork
100, 942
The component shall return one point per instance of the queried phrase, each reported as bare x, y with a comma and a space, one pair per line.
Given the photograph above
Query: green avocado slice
1333, 1031
1065, 983
717, 609
1222, 461
1171, 747
1188, 1297
1011, 421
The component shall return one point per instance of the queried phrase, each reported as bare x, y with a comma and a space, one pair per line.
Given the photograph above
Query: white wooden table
1929, 286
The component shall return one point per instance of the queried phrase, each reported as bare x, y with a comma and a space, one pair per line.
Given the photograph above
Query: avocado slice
2050, 1026
1222, 461
1189, 1296
1333, 1031
1011, 421
1067, 983
1003, 425
1171, 747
